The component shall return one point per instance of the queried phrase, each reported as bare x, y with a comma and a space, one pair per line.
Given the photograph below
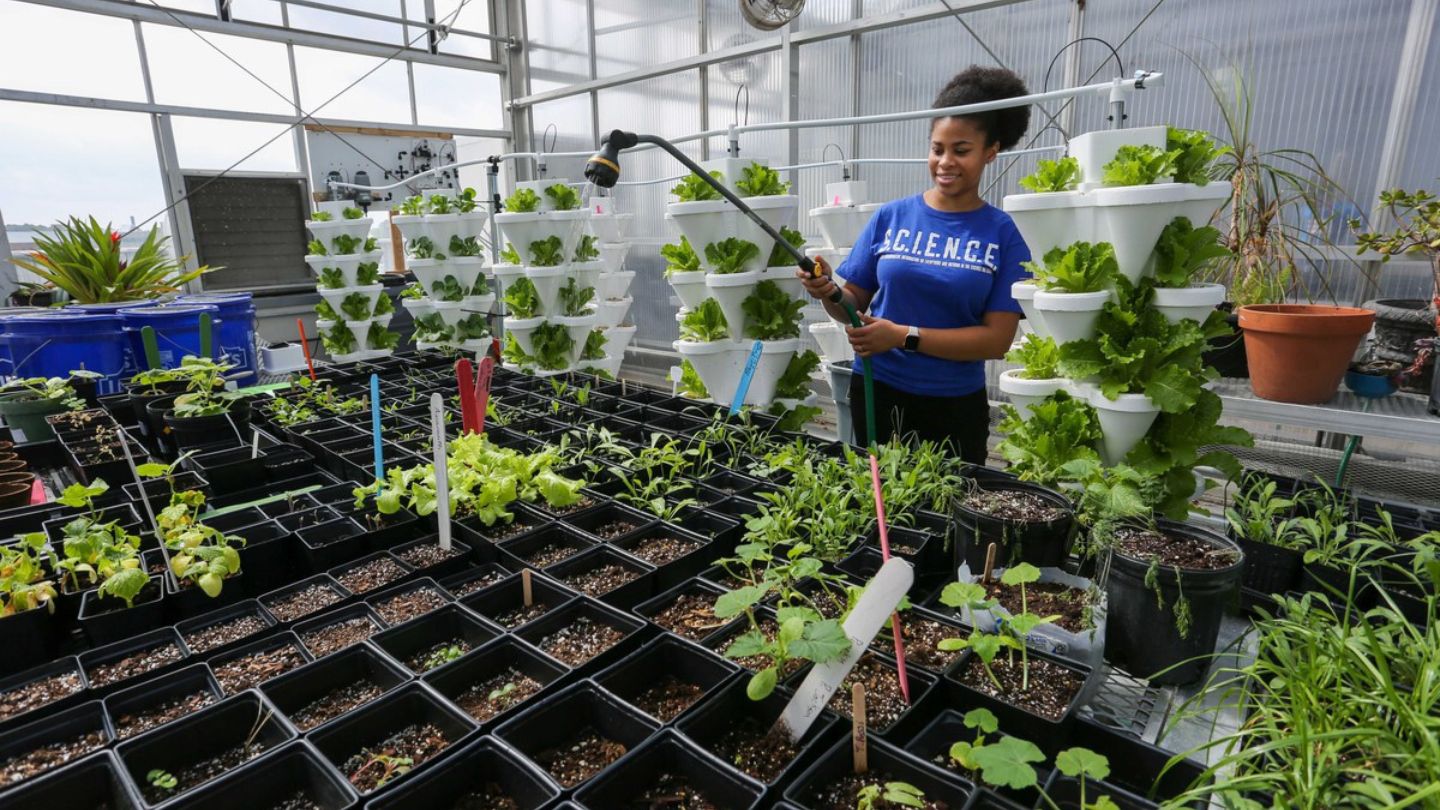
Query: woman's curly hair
976, 84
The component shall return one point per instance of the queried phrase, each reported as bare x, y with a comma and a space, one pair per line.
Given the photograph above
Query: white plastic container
730, 290
1094, 149
689, 288
1048, 221
1070, 316
1023, 393
1124, 421
1024, 294
1195, 302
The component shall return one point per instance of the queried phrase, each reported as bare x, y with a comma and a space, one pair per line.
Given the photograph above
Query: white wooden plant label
871, 611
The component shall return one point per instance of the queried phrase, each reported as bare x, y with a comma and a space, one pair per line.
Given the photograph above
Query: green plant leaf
563, 197
779, 256
730, 255
964, 594
771, 313
761, 181
521, 298
1082, 762
693, 188
733, 603
1039, 356
982, 720
1079, 268
822, 642
1195, 153
1139, 166
1053, 175
547, 252
747, 644
1006, 762
761, 684
679, 258
523, 201
1183, 251
705, 323
1020, 574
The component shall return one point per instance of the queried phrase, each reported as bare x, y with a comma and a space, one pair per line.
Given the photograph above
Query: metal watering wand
603, 169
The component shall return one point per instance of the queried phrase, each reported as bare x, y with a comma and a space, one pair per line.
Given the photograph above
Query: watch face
912, 341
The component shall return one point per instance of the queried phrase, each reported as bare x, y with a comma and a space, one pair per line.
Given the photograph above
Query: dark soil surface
480, 582
829, 602
921, 637
1187, 553
614, 528
490, 797
335, 703
755, 663
1013, 504
376, 573
551, 553
667, 698
661, 549
333, 638
884, 702
128, 725
585, 502
517, 527
490, 697
134, 665
427, 554
584, 756
579, 641
756, 749
671, 792
691, 616
406, 606
729, 581
437, 655
1052, 686
299, 605
35, 694
38, 760
218, 635
840, 794
241, 673
601, 580
371, 768
516, 616
205, 770
298, 800
1045, 599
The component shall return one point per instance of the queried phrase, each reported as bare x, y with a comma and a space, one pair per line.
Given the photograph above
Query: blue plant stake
744, 386
375, 426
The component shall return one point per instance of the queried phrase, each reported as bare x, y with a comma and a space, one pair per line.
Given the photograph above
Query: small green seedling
901, 793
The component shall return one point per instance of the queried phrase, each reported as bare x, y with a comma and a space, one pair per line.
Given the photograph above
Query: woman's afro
976, 84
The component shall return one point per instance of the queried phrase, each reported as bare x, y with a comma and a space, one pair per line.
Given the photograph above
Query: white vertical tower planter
1070, 316
1023, 393
1124, 422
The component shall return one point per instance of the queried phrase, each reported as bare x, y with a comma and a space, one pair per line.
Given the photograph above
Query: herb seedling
161, 779
901, 793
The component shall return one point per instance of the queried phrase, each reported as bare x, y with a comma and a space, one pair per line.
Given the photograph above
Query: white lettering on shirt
930, 246
970, 248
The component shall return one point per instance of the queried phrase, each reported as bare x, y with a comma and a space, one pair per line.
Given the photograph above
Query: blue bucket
111, 307
235, 337
7, 362
177, 332
53, 344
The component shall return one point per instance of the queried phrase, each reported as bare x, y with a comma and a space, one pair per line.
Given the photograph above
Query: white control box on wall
383, 156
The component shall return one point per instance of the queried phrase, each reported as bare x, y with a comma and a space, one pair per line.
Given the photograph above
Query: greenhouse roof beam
272, 33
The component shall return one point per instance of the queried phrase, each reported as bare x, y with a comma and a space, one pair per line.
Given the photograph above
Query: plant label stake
442, 482
152, 348
206, 344
989, 565
254, 444
744, 387
859, 739
375, 428
885, 555
525, 587
464, 377
483, 373
875, 605
305, 347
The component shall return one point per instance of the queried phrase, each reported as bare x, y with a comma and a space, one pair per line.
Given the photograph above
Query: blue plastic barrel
53, 344
7, 363
235, 338
177, 331
111, 307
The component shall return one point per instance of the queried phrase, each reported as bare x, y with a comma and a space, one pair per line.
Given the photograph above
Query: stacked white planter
840, 221
329, 233
721, 363
612, 288
521, 230
447, 281
1131, 219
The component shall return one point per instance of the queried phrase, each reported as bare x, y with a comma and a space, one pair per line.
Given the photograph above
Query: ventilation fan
768, 15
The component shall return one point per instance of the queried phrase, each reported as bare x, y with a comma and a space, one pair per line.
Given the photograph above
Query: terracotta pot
1299, 352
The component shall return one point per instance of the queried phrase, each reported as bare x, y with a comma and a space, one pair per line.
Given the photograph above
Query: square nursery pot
584, 634
544, 547
526, 519
345, 743
1044, 543
429, 560
39, 690
472, 683
724, 530
676, 554
890, 719
223, 628
485, 774
125, 514
604, 573
367, 575
157, 490
147, 706
230, 470
339, 629
1138, 766
587, 501
304, 599
474, 579
913, 545
729, 725
687, 611
922, 629
667, 766
294, 773
1017, 720
932, 744
46, 743
311, 697
408, 600
546, 732
268, 559
142, 656
383, 531
834, 773
422, 645
609, 522
252, 664
667, 678
1064, 791
184, 600
94, 781
206, 744
285, 461
29, 638
332, 543
504, 603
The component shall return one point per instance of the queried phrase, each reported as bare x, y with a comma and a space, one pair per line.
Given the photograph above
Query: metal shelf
1401, 416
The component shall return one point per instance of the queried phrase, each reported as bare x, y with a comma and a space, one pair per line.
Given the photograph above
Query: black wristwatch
912, 339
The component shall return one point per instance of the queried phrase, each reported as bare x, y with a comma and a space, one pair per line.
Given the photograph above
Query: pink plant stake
885, 555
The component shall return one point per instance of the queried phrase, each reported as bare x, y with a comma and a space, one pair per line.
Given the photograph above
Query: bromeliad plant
85, 259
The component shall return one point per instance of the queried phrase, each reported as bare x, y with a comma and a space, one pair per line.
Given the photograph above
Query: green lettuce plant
422, 247
339, 340
378, 337
316, 248
705, 323
679, 258
794, 383
432, 328
563, 197
413, 206
346, 245
1078, 268
472, 327
574, 299
481, 286
690, 385
551, 345
384, 305
523, 201
321, 216
594, 345
356, 306
324, 312
1053, 175
448, 289
441, 204
467, 246
1060, 430
367, 273
512, 353
692, 188
1183, 251
466, 200
779, 256
352, 213
771, 313
547, 252
585, 250
761, 181
1196, 154
521, 298
509, 255
1139, 166
730, 255
1039, 356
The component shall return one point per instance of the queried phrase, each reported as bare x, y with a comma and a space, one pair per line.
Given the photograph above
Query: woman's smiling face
958, 155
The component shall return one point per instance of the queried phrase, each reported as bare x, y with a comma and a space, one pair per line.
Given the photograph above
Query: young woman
932, 275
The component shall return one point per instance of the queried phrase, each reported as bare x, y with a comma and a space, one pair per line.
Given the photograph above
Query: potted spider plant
24, 404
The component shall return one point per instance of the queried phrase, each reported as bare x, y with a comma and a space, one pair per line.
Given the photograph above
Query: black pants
963, 422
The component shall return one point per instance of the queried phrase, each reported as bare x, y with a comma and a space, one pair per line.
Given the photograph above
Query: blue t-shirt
936, 270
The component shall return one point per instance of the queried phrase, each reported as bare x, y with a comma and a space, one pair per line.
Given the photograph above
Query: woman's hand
821, 285
876, 336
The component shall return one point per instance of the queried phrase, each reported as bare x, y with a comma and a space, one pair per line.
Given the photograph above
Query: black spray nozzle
603, 167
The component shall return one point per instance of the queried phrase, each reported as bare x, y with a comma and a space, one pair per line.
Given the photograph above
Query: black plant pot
1065, 792
474, 579
521, 552
568, 715
672, 572
106, 619
165, 638
294, 769
504, 602
525, 520
1017, 720
461, 556
1042, 544
94, 781
723, 530
932, 744
273, 600
192, 629
482, 768
157, 490
332, 543
29, 638
638, 586
443, 626
67, 668
1142, 638
1227, 353
146, 697
654, 606
225, 429
1138, 766
651, 771
140, 402
185, 600
372, 725
496, 658
266, 560
590, 521
535, 633
285, 640
666, 657
358, 610
229, 470
908, 721
61, 727
1269, 569
300, 688
1335, 583
730, 707
836, 764
246, 718
425, 587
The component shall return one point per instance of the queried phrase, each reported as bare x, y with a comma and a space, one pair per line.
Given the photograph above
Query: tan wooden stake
989, 564
858, 741
525, 586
